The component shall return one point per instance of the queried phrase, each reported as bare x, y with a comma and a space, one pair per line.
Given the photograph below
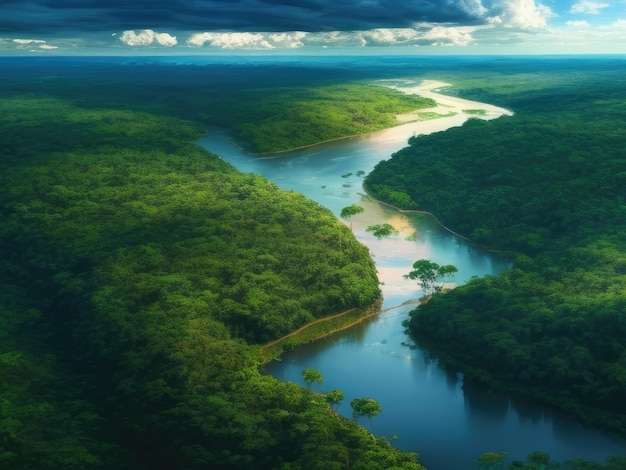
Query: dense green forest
139, 275
549, 184
296, 117
278, 111
542, 461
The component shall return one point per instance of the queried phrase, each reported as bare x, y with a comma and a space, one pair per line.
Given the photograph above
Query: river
425, 408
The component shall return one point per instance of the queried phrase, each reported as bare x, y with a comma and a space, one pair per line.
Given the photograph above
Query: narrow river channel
425, 409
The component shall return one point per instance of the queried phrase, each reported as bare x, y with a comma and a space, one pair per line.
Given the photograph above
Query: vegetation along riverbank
549, 184
141, 274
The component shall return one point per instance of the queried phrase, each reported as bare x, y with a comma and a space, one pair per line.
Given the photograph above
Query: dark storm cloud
62, 16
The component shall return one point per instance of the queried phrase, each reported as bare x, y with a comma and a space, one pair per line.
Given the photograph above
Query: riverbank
325, 327
447, 107
446, 103
402, 226
473, 376
317, 330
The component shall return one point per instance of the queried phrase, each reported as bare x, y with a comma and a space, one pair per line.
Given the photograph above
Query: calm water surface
425, 409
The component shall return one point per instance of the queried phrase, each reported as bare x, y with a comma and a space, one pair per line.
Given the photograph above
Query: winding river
425, 409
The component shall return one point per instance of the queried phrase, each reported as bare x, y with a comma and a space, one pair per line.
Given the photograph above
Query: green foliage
272, 112
512, 182
351, 210
382, 230
491, 461
365, 407
547, 183
43, 421
312, 376
475, 112
412, 237
544, 332
295, 117
542, 461
334, 398
429, 274
317, 329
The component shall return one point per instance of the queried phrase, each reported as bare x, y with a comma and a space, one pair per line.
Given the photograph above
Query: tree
334, 398
365, 407
351, 210
491, 461
382, 230
429, 274
312, 376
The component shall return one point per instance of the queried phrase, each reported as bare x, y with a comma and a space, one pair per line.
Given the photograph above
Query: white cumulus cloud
287, 40
342, 38
146, 37
165, 39
421, 35
521, 14
143, 38
578, 24
587, 7
23, 42
449, 36
388, 36
32, 43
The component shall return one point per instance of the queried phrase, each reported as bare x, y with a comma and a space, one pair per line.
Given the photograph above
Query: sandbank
445, 104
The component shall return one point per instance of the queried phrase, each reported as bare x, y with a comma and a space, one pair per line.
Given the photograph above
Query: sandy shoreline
445, 104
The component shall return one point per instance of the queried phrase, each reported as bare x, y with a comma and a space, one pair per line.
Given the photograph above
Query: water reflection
429, 409
486, 408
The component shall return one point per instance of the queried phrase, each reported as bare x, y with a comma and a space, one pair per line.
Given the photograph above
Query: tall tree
365, 407
349, 211
334, 398
491, 461
312, 376
429, 275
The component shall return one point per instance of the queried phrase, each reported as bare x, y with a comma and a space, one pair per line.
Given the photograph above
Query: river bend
425, 409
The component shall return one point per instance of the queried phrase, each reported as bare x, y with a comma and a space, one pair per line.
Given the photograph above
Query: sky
179, 27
